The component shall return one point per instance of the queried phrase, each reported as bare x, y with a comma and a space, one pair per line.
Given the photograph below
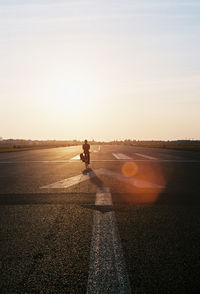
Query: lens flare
130, 169
154, 177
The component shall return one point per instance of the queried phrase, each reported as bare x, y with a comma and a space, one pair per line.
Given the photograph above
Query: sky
100, 69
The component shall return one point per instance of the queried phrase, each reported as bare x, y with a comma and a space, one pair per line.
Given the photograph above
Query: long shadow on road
95, 180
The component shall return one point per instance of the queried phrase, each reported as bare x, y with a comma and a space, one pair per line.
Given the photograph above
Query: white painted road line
77, 157
121, 156
129, 180
103, 197
66, 183
145, 156
107, 272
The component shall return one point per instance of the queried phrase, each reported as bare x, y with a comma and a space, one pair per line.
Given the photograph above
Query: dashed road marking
107, 271
146, 156
96, 150
121, 156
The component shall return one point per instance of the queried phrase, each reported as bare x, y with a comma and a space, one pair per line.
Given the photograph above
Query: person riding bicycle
86, 148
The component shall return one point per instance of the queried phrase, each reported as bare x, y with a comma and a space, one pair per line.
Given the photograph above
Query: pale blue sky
100, 69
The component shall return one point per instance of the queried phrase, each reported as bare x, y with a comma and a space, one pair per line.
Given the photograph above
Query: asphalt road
46, 232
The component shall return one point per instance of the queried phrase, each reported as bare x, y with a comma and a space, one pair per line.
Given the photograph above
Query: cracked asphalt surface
46, 234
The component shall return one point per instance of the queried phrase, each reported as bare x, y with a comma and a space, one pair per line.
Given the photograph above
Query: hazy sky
102, 69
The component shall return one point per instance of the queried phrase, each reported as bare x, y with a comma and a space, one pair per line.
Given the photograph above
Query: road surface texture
130, 224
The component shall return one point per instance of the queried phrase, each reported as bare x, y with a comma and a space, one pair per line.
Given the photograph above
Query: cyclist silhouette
86, 148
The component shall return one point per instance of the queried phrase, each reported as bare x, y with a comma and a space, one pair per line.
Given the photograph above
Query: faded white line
107, 271
129, 180
145, 156
121, 156
103, 196
66, 183
77, 157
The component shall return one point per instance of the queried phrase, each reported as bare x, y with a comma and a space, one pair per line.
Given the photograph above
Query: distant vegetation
11, 145
188, 145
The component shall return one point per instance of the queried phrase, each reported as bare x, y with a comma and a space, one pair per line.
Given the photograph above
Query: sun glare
72, 95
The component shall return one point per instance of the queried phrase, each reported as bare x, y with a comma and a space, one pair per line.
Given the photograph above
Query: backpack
82, 157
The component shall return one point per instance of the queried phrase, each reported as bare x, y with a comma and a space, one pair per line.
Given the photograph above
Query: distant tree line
20, 143
153, 142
